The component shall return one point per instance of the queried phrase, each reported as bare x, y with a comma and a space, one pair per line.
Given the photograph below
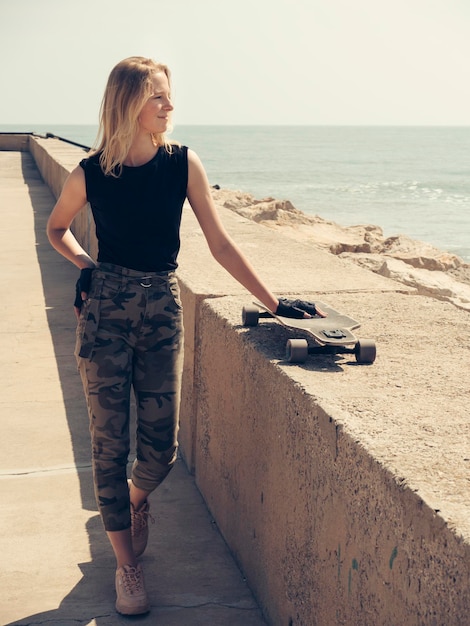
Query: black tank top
138, 215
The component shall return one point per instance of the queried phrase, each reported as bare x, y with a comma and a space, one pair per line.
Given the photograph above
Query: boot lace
140, 519
132, 580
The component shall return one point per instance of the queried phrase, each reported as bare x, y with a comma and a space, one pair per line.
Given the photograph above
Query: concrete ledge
55, 160
320, 478
14, 142
339, 488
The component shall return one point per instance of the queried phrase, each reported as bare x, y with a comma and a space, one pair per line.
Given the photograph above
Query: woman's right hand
82, 288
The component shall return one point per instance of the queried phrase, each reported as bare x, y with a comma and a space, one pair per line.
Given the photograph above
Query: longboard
329, 334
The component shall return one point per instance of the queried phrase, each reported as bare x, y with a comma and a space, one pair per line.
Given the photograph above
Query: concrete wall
326, 534
14, 142
318, 475
54, 172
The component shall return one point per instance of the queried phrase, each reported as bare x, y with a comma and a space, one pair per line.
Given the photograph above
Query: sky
300, 62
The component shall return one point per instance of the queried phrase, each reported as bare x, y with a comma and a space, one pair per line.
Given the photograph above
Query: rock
434, 283
272, 212
431, 271
419, 254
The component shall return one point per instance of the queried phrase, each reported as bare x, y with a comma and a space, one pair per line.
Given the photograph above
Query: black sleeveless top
138, 215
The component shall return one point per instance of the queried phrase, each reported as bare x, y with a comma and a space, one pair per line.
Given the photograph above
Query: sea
407, 180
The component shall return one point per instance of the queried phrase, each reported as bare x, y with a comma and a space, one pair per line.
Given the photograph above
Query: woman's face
156, 112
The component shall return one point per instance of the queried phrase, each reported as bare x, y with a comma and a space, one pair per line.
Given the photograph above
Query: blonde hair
128, 88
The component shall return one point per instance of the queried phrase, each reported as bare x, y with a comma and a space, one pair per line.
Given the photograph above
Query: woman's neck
142, 150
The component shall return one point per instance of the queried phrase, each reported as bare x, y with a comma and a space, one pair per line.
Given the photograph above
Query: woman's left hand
298, 309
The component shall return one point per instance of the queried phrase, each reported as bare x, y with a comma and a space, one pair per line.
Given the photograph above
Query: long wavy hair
128, 88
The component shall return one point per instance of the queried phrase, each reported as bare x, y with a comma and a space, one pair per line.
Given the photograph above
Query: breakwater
339, 488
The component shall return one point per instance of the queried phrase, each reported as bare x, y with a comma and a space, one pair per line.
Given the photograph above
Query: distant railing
46, 136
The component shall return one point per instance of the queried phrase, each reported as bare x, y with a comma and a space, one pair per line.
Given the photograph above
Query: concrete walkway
56, 564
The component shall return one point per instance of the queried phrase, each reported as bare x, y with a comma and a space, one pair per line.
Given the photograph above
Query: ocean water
407, 180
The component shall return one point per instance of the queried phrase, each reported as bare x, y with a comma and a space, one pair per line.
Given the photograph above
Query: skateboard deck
331, 333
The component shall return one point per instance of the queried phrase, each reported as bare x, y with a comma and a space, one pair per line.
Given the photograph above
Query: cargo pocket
174, 290
88, 323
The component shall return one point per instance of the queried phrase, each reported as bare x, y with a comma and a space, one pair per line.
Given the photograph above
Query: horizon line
317, 125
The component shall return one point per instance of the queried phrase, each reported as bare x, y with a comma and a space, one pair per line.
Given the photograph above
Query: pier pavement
57, 566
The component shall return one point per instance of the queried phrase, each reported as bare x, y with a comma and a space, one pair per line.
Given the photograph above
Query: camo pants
130, 336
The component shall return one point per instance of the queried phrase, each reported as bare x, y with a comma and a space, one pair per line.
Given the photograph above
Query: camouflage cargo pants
130, 336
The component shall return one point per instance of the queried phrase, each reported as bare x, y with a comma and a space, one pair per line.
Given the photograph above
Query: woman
130, 319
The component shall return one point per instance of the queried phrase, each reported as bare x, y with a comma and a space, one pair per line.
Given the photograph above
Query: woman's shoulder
174, 148
91, 161
174, 154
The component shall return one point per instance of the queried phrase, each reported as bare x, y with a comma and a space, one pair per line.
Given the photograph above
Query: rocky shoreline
432, 272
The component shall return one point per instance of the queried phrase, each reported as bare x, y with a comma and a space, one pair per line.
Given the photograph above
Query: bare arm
222, 247
69, 204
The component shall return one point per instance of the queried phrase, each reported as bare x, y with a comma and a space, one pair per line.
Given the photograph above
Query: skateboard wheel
365, 351
250, 315
296, 350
